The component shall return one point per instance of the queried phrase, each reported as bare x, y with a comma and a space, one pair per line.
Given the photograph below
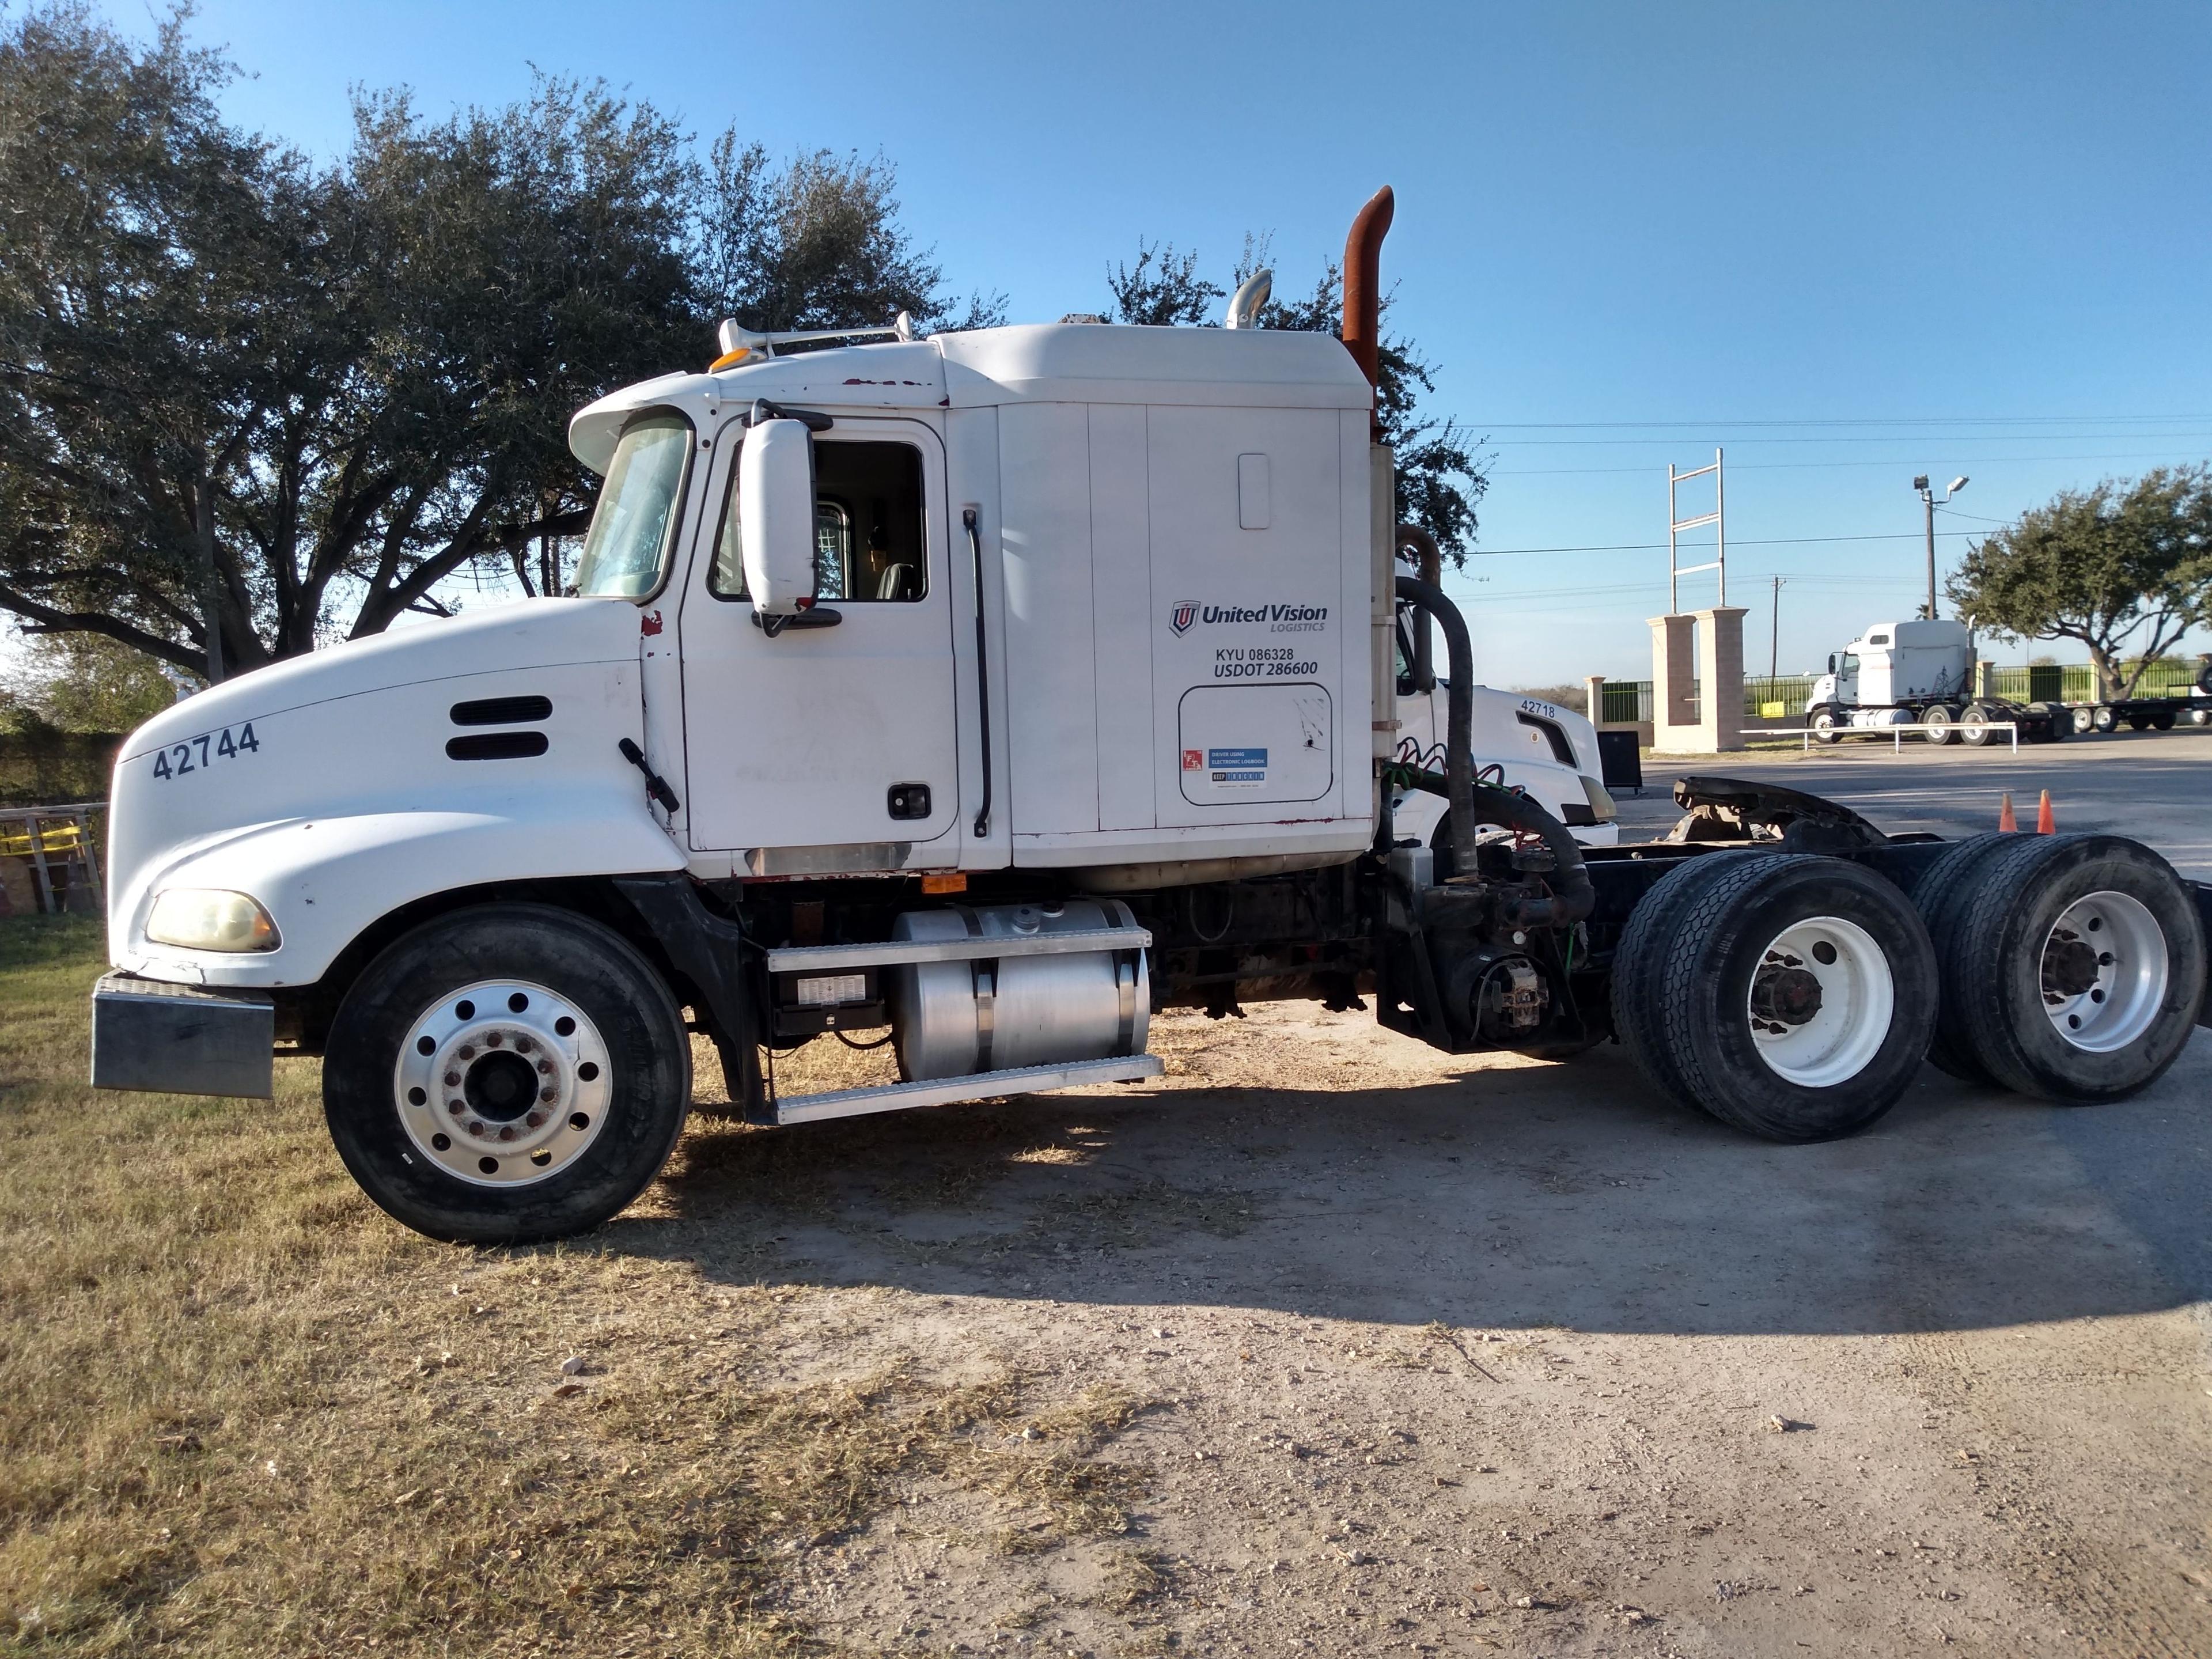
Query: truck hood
500, 639
369, 740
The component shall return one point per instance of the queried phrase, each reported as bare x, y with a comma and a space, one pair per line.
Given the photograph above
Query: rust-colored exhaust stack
1363, 288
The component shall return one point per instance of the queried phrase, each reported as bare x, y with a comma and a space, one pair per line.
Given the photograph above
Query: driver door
829, 748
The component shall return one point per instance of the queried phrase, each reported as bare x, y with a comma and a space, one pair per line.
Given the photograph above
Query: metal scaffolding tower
1718, 518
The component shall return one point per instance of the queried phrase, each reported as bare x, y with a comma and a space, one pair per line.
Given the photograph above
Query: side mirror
1831, 662
776, 516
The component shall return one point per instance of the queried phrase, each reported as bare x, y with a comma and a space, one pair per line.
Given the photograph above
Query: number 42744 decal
194, 753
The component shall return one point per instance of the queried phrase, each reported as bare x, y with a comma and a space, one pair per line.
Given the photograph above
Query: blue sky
1850, 243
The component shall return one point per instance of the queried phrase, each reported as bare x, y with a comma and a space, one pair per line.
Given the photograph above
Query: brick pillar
1594, 690
1720, 673
1674, 723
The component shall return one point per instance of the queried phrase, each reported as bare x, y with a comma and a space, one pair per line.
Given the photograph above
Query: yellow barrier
57, 838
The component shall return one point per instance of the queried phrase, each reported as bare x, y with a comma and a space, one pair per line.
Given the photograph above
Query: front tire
1794, 996
506, 1074
1824, 725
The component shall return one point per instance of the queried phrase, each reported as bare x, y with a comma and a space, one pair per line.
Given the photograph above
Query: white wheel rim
2103, 972
502, 1083
1827, 1033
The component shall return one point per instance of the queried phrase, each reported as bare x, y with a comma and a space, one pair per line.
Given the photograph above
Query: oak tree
2123, 570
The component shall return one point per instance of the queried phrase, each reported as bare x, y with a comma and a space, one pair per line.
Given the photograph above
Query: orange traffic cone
2044, 825
2006, 821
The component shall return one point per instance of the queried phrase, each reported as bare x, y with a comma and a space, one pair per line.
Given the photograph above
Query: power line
1983, 437
1798, 466
1651, 547
1851, 420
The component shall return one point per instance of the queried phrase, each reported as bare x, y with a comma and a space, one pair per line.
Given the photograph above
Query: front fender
326, 880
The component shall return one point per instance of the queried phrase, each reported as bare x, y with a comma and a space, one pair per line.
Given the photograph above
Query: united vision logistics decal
1278, 618
1255, 662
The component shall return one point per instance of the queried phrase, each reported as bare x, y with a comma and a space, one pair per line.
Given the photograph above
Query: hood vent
496, 745
502, 711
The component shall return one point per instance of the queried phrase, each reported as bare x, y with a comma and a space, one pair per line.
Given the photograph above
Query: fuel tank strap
825, 958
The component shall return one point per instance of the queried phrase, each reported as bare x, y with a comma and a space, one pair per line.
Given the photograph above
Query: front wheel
1823, 725
506, 1074
1792, 997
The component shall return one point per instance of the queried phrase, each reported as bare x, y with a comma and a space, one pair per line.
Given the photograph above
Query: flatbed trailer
2142, 713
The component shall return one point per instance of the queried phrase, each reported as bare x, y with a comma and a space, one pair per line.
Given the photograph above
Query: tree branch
48, 620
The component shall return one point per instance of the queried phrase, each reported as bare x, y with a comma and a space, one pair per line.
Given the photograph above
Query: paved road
2154, 786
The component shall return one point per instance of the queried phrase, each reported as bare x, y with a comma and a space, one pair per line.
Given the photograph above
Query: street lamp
1928, 500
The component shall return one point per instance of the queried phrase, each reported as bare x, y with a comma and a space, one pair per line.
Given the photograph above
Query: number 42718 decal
194, 753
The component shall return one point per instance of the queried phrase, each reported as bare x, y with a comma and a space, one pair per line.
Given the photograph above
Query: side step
976, 1086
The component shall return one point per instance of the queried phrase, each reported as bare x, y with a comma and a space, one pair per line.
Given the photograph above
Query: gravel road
1459, 1356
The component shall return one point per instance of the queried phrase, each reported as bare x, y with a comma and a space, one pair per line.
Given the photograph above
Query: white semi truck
1920, 673
1001, 687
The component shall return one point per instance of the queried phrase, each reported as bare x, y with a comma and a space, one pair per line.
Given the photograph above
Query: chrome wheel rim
2103, 972
503, 1083
1821, 1002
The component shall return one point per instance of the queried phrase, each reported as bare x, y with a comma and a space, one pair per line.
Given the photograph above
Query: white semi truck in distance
1920, 673
1001, 687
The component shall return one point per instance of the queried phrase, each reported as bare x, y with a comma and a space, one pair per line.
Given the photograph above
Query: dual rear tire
1795, 997
2073, 966
1789, 996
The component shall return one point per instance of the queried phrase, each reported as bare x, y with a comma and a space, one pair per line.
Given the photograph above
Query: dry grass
243, 1413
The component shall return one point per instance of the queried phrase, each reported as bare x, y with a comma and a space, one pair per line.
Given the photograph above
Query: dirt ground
1458, 1357
1325, 1343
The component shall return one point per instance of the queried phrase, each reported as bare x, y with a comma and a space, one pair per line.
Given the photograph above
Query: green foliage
1162, 291
322, 391
815, 243
2101, 566
1440, 469
86, 683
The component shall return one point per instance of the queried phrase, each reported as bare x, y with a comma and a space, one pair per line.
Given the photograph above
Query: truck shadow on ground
1507, 1196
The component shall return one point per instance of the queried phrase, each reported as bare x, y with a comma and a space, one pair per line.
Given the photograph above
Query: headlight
1600, 803
209, 918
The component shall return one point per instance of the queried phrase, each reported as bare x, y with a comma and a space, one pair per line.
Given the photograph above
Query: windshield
631, 528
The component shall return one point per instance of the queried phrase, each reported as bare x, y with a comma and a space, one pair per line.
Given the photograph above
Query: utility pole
1774, 635
1928, 504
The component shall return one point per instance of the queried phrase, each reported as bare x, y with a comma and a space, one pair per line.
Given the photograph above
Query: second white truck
1920, 673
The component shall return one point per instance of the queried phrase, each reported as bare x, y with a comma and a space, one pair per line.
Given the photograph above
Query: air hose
1573, 896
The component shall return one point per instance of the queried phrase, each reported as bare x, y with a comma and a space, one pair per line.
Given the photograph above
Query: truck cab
1906, 665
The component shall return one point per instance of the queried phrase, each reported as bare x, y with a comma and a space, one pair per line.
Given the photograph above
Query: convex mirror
775, 514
